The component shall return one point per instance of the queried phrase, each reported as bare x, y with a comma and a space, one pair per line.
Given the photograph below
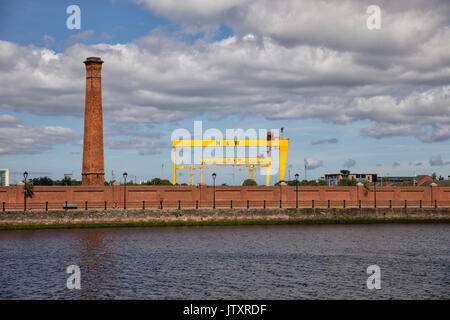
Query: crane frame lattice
282, 144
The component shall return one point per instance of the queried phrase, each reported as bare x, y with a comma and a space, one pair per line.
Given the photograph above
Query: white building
4, 177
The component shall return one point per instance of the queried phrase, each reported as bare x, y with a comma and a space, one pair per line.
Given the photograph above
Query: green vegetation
46, 181
249, 182
29, 190
224, 222
304, 183
158, 182
42, 181
347, 182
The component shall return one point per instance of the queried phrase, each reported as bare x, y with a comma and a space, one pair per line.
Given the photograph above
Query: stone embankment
173, 217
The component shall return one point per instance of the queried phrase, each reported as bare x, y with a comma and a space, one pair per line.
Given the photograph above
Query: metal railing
232, 204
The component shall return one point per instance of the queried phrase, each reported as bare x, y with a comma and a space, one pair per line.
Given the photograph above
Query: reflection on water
243, 262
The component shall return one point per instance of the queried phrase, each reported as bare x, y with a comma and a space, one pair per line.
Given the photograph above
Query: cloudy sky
348, 97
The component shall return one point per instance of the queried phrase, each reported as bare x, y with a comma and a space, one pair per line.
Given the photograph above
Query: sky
370, 100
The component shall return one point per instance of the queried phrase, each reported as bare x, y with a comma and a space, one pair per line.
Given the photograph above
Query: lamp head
25, 174
214, 175
125, 175
296, 176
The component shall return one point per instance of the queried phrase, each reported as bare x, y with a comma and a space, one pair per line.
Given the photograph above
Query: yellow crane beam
238, 160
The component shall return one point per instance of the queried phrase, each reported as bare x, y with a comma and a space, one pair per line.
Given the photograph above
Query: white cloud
437, 161
144, 147
349, 163
82, 36
192, 10
303, 60
336, 24
325, 141
18, 139
312, 163
8, 120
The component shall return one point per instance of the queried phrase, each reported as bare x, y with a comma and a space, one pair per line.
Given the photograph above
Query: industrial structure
417, 180
262, 161
93, 172
4, 177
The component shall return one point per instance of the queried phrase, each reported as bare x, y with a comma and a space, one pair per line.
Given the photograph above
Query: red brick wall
59, 194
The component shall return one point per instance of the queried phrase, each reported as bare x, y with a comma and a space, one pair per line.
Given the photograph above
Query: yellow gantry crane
251, 162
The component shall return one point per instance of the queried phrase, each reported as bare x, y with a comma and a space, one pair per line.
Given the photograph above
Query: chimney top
93, 60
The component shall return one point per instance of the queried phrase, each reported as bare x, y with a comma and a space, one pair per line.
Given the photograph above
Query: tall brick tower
93, 172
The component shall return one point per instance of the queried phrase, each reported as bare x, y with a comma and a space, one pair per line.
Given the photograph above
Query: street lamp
375, 180
25, 175
125, 190
214, 194
296, 190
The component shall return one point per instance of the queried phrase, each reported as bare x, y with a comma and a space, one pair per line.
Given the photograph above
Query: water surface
241, 262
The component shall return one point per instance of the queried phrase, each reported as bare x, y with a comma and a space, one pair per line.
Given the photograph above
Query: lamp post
214, 186
296, 190
125, 190
25, 175
375, 191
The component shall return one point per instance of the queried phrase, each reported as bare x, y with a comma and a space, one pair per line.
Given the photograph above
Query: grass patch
225, 222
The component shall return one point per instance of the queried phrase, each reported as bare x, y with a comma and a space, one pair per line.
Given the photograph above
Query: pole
214, 193
125, 194
25, 196
25, 175
375, 194
306, 178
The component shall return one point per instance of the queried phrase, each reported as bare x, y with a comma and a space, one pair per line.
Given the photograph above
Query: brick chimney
93, 172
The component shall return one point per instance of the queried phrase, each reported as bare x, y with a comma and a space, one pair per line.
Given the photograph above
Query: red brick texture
204, 194
93, 172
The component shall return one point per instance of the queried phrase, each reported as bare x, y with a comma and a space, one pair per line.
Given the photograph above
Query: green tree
249, 182
158, 182
304, 183
29, 190
67, 182
42, 181
434, 175
347, 182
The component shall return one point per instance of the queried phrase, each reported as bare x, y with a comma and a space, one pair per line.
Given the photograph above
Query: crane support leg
283, 156
174, 166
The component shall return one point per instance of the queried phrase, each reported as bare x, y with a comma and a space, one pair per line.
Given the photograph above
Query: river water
233, 262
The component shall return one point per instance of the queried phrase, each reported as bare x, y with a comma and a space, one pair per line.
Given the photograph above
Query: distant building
414, 180
334, 178
4, 177
68, 176
440, 183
